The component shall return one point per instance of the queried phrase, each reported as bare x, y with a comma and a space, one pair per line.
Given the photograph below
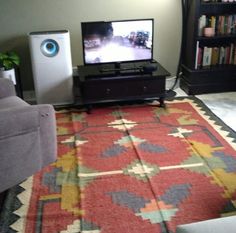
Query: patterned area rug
130, 169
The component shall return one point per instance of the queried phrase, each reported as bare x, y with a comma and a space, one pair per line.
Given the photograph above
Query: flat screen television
117, 41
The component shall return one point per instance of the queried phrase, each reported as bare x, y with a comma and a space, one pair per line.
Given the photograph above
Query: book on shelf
227, 55
234, 58
231, 56
229, 24
202, 22
215, 56
199, 60
222, 55
225, 27
206, 58
196, 55
213, 22
233, 26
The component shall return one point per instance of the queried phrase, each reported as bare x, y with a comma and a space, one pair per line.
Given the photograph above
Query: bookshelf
209, 51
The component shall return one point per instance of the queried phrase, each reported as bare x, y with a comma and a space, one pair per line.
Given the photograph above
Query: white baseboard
170, 82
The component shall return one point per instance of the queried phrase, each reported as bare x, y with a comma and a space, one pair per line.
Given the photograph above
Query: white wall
17, 18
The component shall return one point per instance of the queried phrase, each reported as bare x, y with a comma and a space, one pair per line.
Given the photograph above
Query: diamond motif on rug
156, 212
141, 170
122, 124
128, 141
180, 132
77, 139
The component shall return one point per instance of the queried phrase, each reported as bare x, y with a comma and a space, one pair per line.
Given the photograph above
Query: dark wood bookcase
213, 78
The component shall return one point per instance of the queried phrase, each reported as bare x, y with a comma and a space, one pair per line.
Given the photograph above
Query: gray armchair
27, 137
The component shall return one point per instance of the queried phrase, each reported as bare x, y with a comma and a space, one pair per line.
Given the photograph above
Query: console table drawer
110, 89
146, 87
102, 90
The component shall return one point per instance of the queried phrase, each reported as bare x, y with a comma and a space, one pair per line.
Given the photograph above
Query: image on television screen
118, 41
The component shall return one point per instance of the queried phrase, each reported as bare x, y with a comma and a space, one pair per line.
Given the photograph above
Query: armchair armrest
27, 142
20, 120
7, 88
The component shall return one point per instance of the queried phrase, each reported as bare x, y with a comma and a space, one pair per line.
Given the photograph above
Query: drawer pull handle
144, 89
108, 90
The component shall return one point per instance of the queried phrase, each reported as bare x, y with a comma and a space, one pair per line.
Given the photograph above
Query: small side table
16, 79
18, 85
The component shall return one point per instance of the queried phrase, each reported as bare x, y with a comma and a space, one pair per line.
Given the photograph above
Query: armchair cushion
6, 88
11, 101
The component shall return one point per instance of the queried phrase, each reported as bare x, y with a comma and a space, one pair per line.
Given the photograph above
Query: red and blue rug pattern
130, 169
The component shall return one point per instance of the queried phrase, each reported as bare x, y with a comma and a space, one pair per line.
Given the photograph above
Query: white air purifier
52, 67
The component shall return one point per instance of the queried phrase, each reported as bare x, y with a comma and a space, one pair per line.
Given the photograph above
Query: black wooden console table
93, 84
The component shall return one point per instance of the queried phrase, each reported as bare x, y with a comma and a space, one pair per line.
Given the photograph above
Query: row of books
221, 24
212, 56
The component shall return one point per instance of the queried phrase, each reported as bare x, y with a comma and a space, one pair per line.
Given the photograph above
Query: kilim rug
130, 169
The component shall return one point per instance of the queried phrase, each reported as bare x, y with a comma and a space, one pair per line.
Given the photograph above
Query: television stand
91, 86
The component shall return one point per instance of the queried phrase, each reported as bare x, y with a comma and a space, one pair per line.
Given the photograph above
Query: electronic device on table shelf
120, 43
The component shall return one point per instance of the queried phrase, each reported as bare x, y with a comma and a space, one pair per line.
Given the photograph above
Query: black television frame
117, 63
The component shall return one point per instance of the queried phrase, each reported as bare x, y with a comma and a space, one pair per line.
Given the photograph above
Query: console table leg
162, 102
89, 108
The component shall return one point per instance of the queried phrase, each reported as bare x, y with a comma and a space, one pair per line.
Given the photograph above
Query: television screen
117, 41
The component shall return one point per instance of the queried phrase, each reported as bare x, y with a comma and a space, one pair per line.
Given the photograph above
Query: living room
94, 150
18, 20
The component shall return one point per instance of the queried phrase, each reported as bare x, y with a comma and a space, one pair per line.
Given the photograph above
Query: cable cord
178, 72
